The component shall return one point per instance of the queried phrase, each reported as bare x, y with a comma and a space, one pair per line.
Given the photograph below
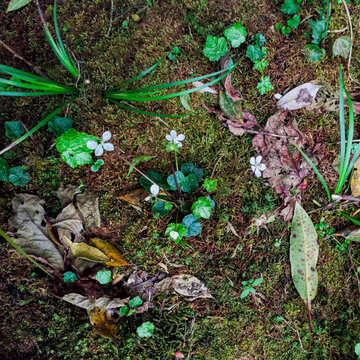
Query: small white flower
256, 166
148, 198
103, 145
173, 137
174, 234
155, 189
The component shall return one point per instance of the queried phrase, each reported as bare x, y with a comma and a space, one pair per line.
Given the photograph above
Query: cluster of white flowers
103, 145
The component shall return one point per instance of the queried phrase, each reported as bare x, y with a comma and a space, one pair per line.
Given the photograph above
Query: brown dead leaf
231, 92
102, 326
116, 259
286, 170
355, 179
190, 286
87, 204
134, 197
88, 303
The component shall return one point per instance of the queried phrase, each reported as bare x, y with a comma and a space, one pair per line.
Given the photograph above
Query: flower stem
176, 161
173, 171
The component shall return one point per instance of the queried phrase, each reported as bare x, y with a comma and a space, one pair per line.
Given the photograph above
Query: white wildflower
256, 166
103, 145
174, 138
174, 235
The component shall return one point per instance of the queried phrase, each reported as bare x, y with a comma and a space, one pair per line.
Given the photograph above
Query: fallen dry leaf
116, 259
286, 170
87, 204
29, 228
88, 303
355, 179
101, 324
189, 285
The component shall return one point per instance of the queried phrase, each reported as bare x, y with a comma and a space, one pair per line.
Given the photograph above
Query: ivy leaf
236, 34
260, 65
4, 170
73, 147
264, 85
161, 208
294, 21
210, 185
259, 39
145, 330
189, 168
58, 125
190, 184
156, 178
290, 7
180, 177
304, 251
103, 276
135, 302
16, 4
314, 52
137, 160
215, 47
342, 46
202, 208
18, 176
69, 277
14, 129
285, 30
212, 202
192, 225
97, 165
318, 30
255, 53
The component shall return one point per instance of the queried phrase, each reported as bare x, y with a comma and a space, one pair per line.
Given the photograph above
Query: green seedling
249, 287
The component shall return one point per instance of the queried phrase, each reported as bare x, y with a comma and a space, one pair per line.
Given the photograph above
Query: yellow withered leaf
87, 252
355, 179
101, 324
113, 254
52, 235
135, 196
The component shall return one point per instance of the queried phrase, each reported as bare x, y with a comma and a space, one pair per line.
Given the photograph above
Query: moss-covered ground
36, 325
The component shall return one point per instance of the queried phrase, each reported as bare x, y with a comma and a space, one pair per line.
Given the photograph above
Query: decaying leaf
87, 252
29, 228
355, 179
134, 197
87, 204
304, 251
286, 170
302, 96
230, 91
116, 259
189, 285
351, 233
101, 324
88, 303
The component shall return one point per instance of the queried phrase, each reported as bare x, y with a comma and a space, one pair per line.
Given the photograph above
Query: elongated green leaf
17, 4
137, 160
304, 251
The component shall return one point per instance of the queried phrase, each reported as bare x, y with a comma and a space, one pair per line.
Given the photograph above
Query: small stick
111, 18
35, 68
216, 164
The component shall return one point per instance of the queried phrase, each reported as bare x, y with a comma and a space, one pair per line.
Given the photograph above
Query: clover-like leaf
210, 185
260, 65
294, 21
73, 147
215, 47
192, 225
58, 125
103, 276
236, 34
264, 85
145, 330
290, 7
255, 52
14, 129
18, 176
202, 208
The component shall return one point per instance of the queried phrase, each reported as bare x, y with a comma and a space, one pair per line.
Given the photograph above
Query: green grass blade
37, 127
20, 250
353, 220
137, 77
317, 172
142, 112
36, 93
46, 86
176, 83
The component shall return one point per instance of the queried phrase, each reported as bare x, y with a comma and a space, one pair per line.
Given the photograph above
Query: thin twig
111, 18
216, 164
26, 129
170, 263
338, 31
297, 332
35, 68
352, 38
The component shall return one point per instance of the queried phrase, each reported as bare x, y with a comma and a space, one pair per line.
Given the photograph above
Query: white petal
91, 144
262, 167
258, 160
181, 137
99, 150
168, 138
106, 136
252, 161
173, 134
253, 168
257, 173
277, 96
179, 144
147, 198
174, 234
108, 146
155, 189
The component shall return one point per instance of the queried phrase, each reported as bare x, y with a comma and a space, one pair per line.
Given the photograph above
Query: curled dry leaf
29, 228
189, 285
114, 255
286, 170
101, 324
88, 303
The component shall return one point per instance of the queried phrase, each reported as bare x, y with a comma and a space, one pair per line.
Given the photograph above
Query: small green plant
346, 145
175, 51
145, 330
177, 196
323, 228
357, 350
248, 287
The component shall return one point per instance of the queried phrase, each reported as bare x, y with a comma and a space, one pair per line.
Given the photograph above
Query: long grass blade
20, 250
48, 87
352, 219
37, 127
317, 172
138, 111
37, 93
